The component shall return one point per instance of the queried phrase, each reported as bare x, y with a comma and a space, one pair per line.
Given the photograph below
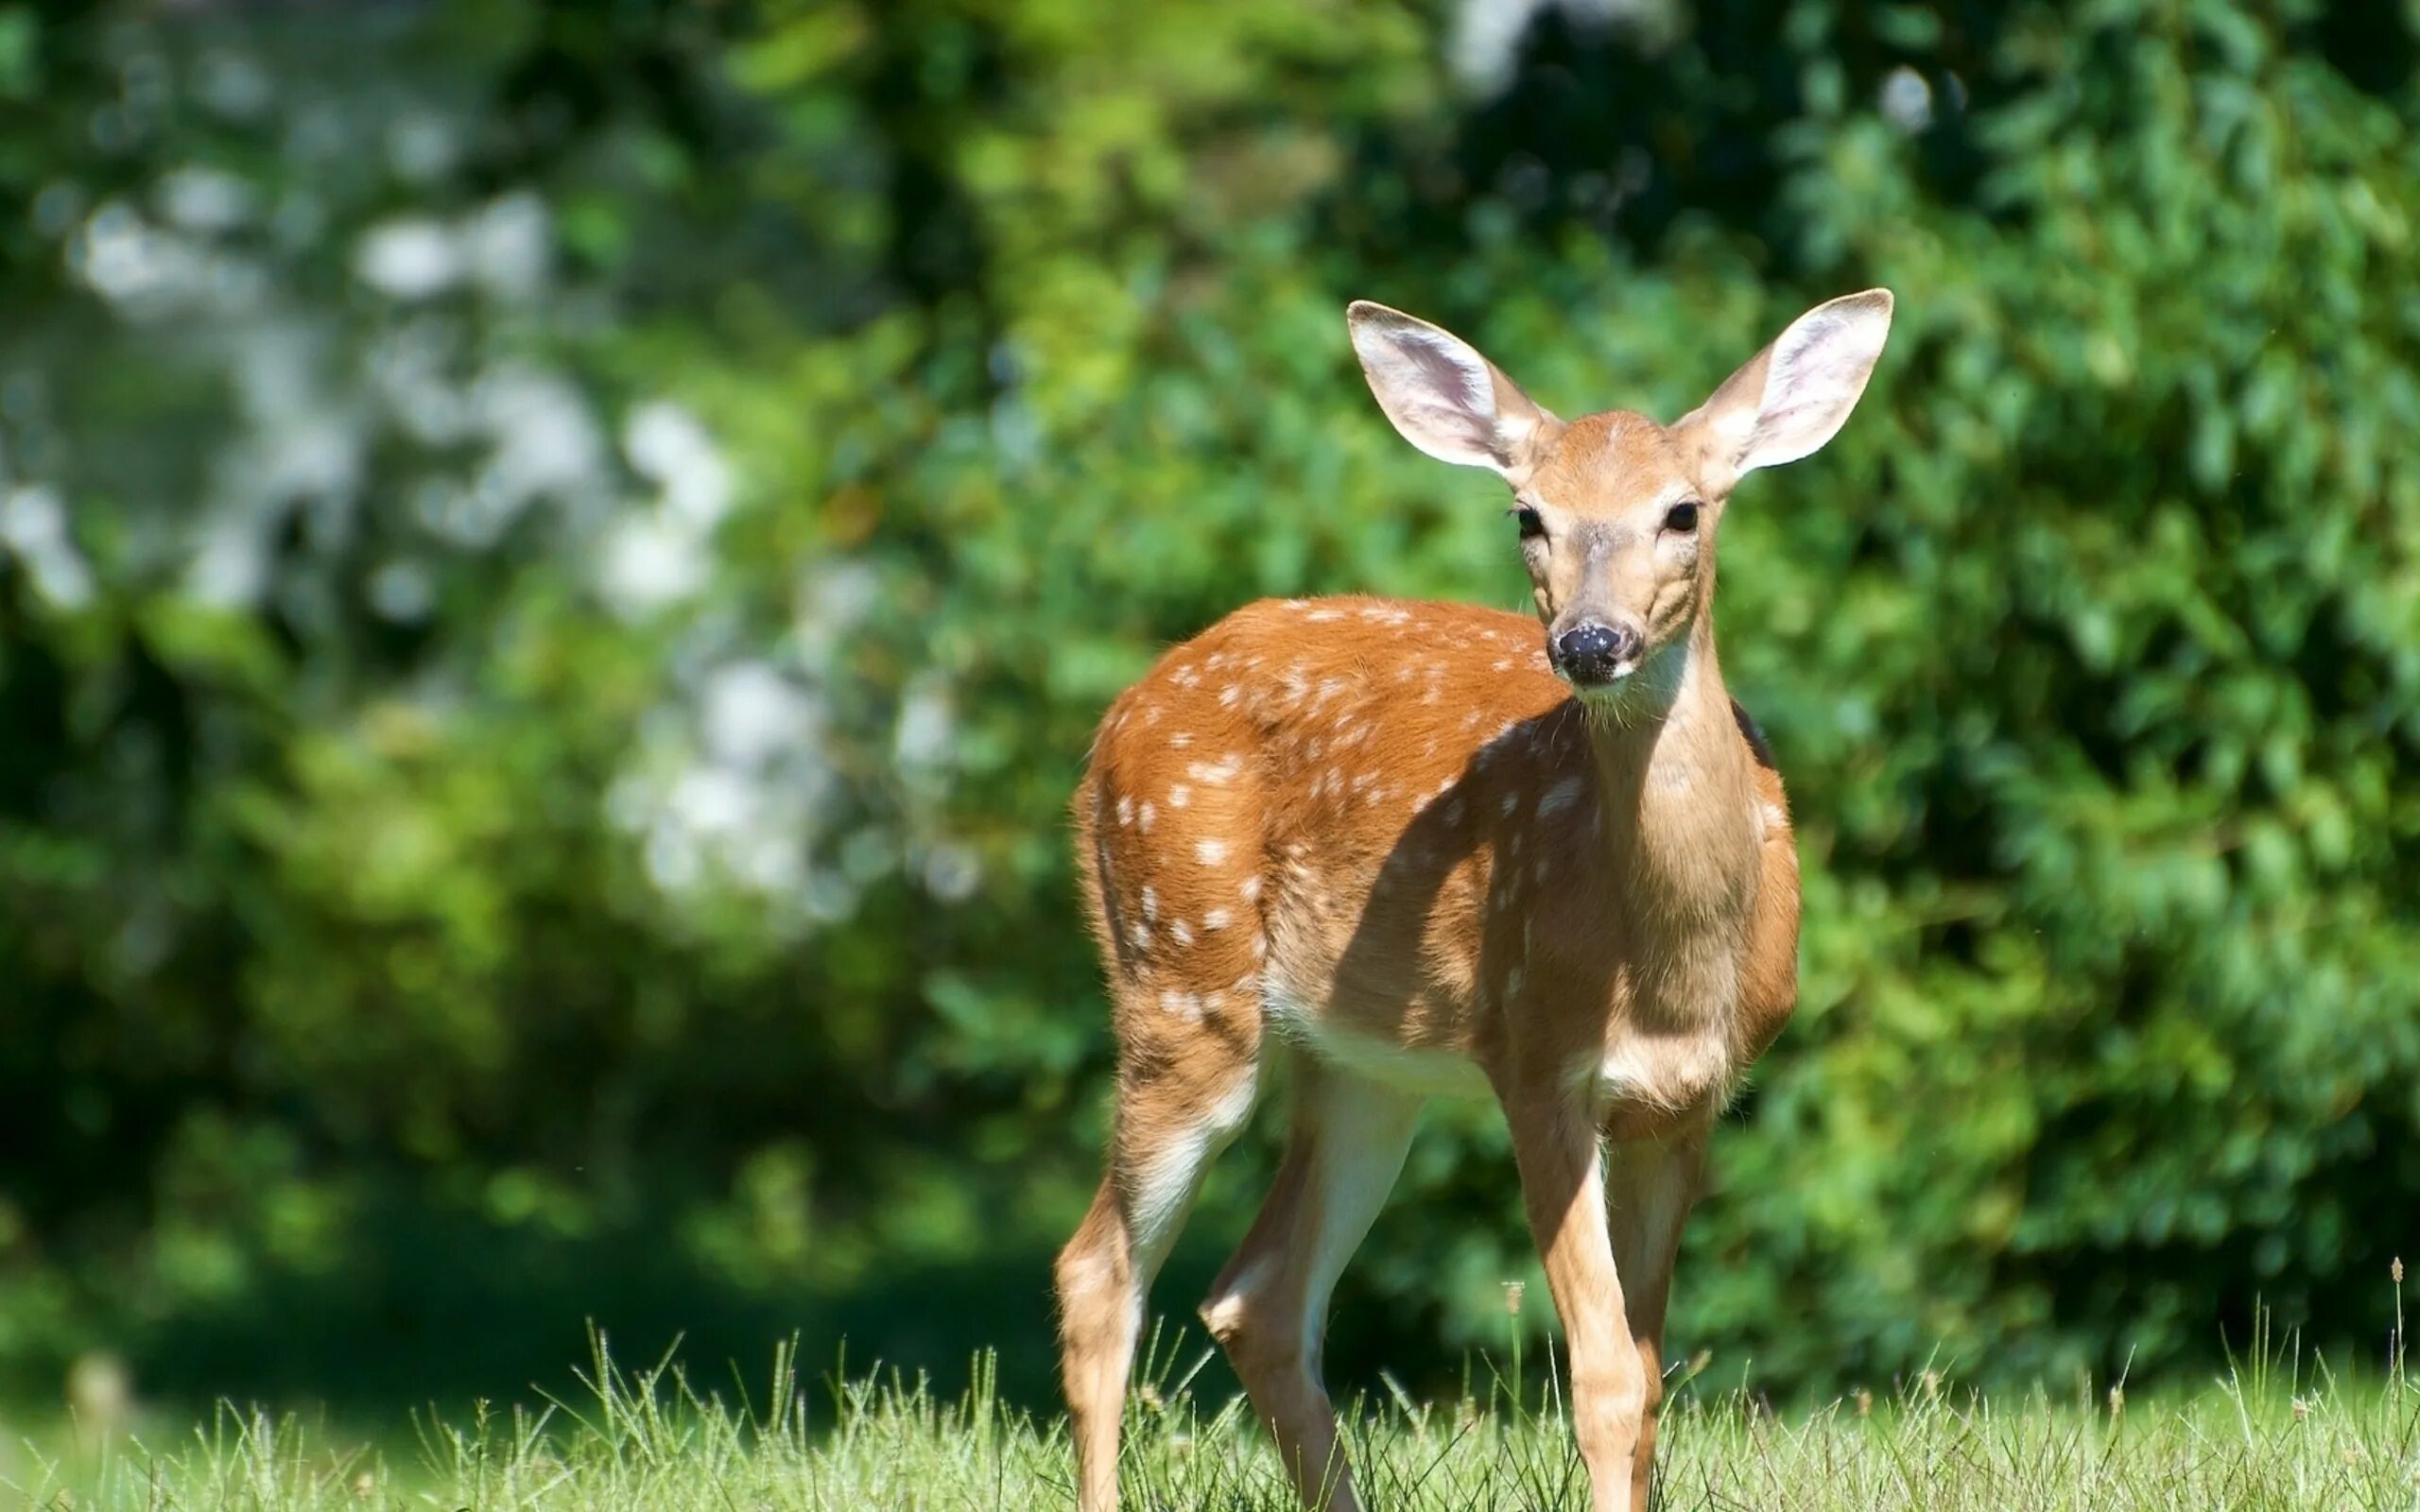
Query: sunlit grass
2276, 1433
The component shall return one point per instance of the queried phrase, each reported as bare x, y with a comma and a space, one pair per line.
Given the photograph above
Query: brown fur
1378, 775
1389, 836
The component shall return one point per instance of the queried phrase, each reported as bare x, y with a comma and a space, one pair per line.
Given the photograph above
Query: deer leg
1172, 1118
1268, 1308
1651, 1186
1556, 1143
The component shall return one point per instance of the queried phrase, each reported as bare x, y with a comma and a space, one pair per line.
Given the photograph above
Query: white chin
1612, 687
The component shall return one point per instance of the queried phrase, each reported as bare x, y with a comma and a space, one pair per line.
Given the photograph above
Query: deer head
1617, 514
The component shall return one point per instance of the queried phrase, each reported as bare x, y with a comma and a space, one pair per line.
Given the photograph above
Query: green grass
2271, 1434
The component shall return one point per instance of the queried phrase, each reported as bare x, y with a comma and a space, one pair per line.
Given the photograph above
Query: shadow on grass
430, 1307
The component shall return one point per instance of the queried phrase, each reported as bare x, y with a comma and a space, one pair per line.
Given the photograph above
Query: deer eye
1531, 527
1682, 518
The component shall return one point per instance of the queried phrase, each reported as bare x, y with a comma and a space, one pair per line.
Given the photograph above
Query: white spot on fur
1210, 851
1125, 811
1179, 932
1151, 902
1144, 819
1180, 795
1225, 769
1250, 887
1217, 919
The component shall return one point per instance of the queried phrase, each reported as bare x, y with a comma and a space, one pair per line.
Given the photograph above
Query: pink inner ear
1438, 391
1458, 385
1818, 370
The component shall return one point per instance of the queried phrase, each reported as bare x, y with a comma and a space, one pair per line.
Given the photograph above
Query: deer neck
1678, 806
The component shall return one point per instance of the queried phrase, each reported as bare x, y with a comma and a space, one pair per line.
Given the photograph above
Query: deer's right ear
1445, 397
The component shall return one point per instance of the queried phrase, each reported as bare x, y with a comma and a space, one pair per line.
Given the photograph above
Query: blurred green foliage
557, 563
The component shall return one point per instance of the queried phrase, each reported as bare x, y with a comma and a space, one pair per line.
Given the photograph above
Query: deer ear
1796, 394
1445, 397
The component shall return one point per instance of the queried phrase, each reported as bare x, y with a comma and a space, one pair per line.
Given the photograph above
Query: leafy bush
558, 564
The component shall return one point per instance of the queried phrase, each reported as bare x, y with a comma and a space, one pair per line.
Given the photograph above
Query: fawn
1435, 852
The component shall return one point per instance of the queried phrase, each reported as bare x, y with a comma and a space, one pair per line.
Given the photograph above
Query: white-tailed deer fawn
1433, 851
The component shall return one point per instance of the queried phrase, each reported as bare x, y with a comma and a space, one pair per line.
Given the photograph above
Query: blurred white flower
423, 145
204, 200
1486, 38
667, 446
750, 714
646, 563
135, 265
709, 822
407, 371
952, 872
833, 599
546, 441
509, 246
770, 859
233, 83
711, 801
229, 567
927, 726
306, 455
401, 591
410, 258
1906, 100
33, 529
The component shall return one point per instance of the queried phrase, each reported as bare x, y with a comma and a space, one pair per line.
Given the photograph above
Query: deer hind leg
1268, 1308
1651, 1186
1176, 1110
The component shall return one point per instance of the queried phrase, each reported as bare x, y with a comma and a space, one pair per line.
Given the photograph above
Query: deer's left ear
1794, 396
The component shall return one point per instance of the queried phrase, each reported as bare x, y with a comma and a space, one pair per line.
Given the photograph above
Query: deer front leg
1651, 1185
1555, 1142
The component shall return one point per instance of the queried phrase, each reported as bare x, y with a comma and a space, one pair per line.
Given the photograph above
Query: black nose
1591, 650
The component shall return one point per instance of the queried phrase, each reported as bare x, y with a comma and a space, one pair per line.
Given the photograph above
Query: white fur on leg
1162, 1186
1363, 1131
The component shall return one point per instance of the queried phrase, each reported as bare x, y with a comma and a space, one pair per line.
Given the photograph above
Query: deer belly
1428, 1070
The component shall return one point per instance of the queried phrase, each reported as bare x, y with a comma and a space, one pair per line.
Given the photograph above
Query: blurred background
556, 564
